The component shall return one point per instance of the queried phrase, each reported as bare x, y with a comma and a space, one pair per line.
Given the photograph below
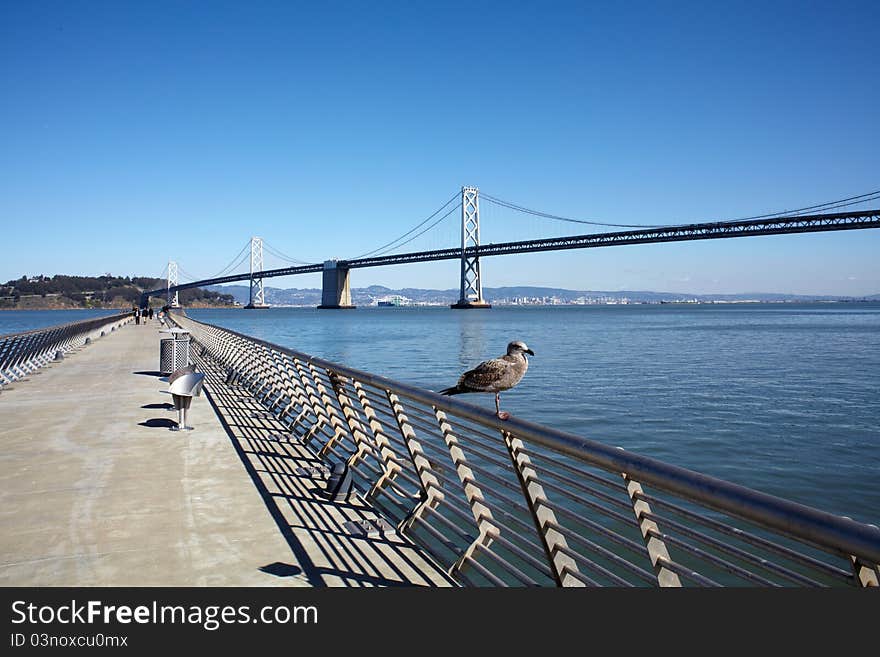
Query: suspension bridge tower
257, 296
471, 285
173, 300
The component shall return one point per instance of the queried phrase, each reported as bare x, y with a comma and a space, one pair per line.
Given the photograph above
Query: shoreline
116, 308
750, 302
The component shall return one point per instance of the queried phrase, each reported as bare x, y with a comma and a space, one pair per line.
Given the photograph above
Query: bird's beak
529, 351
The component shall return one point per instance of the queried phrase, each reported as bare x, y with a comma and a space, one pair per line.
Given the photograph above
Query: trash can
173, 351
184, 385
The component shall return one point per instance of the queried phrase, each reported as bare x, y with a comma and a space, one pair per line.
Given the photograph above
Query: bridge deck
96, 491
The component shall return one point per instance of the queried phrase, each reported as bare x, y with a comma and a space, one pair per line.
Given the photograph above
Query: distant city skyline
135, 134
520, 295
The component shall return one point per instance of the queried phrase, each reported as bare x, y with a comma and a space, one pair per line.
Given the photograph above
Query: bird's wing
486, 376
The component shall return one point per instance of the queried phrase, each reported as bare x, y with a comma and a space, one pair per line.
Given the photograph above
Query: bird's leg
502, 415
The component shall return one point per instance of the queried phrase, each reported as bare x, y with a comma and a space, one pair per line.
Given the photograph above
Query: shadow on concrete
281, 569
166, 406
312, 525
158, 422
148, 373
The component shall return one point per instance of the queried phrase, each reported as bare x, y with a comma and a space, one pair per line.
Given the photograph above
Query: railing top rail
56, 327
832, 532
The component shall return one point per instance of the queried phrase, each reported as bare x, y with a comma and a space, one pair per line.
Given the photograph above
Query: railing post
299, 396
656, 548
482, 514
290, 390
866, 574
390, 467
563, 566
264, 373
339, 429
361, 441
282, 389
314, 402
431, 490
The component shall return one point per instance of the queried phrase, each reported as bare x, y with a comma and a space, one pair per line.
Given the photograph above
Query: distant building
392, 300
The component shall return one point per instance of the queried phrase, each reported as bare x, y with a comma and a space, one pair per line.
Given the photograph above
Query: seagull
495, 375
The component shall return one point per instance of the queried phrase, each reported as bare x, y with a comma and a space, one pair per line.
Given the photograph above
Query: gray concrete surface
95, 490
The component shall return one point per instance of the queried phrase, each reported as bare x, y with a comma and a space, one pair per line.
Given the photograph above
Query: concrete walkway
95, 490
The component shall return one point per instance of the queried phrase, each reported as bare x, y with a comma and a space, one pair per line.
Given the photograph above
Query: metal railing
512, 503
22, 353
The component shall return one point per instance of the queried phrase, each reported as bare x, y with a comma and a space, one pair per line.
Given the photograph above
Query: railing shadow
311, 523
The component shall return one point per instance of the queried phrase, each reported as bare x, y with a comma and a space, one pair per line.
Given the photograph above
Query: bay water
782, 398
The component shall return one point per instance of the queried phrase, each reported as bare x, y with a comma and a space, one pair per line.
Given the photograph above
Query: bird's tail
454, 390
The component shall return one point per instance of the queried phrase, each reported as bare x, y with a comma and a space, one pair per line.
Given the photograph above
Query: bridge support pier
471, 284
336, 291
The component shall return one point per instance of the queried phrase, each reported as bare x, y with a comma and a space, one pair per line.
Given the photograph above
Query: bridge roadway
96, 491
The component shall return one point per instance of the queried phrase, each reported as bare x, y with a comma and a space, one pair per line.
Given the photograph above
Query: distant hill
61, 291
522, 294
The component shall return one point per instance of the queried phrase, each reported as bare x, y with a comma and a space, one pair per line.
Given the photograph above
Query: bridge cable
833, 205
453, 209
186, 274
829, 205
821, 207
393, 243
231, 266
163, 275
279, 254
538, 213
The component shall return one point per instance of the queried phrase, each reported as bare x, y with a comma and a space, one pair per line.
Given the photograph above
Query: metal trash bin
174, 351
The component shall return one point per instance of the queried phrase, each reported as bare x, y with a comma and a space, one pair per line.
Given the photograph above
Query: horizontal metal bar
760, 562
494, 493
510, 568
527, 527
686, 573
747, 537
711, 558
626, 520
491, 442
553, 462
549, 479
538, 565
473, 447
623, 541
469, 538
592, 566
485, 572
608, 554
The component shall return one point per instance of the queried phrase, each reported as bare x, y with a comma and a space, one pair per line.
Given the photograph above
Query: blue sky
134, 133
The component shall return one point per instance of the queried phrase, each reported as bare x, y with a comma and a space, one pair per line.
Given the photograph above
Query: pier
99, 491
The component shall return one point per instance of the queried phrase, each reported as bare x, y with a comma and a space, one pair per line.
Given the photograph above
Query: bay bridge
336, 288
